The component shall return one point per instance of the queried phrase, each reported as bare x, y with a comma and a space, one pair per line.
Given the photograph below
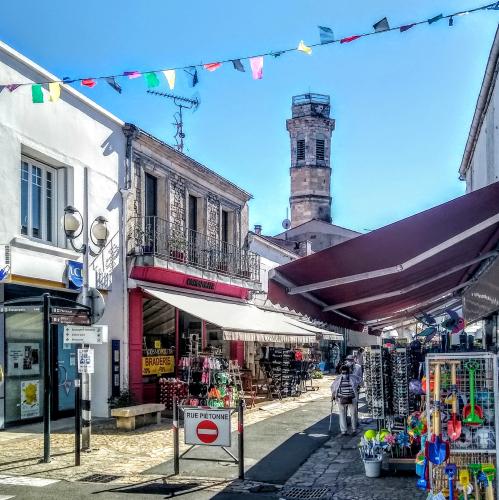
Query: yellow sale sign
157, 365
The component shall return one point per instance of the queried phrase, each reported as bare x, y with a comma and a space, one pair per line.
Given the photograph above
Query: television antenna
182, 103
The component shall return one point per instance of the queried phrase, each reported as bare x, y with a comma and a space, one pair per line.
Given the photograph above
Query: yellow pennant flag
304, 48
54, 91
170, 77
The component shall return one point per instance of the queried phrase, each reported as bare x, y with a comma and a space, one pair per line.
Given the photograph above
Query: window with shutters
319, 149
38, 201
300, 149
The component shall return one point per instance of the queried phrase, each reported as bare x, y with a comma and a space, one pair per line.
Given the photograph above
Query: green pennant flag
151, 79
37, 93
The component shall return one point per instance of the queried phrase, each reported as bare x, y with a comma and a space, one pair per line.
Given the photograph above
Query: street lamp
73, 223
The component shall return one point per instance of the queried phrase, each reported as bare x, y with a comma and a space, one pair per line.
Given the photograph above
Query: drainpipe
130, 132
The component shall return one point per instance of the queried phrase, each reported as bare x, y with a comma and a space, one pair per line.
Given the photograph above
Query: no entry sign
207, 427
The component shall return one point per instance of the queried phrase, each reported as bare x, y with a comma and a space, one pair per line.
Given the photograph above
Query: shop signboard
85, 360
30, 399
76, 334
157, 362
23, 358
207, 427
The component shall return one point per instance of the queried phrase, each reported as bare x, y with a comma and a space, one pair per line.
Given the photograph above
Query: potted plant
371, 448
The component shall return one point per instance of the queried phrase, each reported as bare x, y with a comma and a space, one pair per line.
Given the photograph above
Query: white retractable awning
240, 320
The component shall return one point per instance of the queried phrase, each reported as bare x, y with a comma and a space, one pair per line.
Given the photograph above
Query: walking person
345, 391
355, 368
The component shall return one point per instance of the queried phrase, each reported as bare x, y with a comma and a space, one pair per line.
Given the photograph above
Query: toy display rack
475, 444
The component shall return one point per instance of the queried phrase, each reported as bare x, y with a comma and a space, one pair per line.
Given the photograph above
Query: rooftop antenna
181, 102
286, 224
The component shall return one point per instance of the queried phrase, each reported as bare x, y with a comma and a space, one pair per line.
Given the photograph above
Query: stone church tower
310, 130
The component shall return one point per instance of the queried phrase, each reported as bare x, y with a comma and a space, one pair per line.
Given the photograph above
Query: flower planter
372, 467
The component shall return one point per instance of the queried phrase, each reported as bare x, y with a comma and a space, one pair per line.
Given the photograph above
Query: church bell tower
310, 130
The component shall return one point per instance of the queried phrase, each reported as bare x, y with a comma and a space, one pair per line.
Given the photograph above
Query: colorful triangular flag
193, 76
37, 93
256, 64
493, 7
151, 79
132, 74
381, 25
304, 48
2, 87
349, 39
326, 34
407, 27
89, 82
170, 77
435, 19
238, 65
212, 66
13, 86
54, 91
114, 84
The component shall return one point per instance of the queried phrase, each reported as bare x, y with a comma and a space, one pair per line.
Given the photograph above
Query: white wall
72, 134
484, 169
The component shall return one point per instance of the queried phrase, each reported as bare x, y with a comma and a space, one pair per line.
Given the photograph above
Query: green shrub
125, 398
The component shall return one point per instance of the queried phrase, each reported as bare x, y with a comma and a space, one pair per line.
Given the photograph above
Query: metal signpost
206, 426
58, 311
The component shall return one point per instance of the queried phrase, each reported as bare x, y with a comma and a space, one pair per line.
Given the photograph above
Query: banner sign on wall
30, 399
75, 274
157, 362
23, 358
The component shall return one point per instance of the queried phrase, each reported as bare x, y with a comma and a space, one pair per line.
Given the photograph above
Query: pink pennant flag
256, 64
89, 82
133, 74
349, 39
212, 66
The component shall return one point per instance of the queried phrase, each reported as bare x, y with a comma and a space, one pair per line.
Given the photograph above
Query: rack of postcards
461, 447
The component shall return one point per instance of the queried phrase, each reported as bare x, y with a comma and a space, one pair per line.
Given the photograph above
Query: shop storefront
170, 326
22, 356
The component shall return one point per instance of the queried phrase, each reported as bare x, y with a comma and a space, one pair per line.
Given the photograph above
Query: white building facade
46, 150
480, 163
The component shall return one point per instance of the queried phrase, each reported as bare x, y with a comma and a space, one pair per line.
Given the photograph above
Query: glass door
65, 373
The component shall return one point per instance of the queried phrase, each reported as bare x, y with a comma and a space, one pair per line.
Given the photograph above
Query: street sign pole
47, 381
86, 377
240, 435
77, 421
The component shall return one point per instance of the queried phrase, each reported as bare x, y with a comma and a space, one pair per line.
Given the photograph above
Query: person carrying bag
344, 390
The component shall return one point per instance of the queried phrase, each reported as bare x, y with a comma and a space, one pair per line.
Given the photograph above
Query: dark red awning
409, 263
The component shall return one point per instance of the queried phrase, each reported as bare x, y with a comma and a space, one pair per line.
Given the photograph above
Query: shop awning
403, 268
243, 321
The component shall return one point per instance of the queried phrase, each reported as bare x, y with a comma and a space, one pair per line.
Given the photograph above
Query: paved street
291, 449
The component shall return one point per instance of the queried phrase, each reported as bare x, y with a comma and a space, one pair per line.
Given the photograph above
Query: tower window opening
300, 149
319, 149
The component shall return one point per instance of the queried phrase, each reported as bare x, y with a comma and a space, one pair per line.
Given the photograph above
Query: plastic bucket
373, 468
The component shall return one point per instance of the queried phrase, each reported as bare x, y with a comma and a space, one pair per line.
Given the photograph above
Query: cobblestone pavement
337, 468
120, 453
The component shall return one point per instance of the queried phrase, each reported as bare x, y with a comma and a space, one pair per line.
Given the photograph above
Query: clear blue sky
403, 103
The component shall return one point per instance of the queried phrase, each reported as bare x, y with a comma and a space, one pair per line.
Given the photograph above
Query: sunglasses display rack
376, 382
462, 418
400, 382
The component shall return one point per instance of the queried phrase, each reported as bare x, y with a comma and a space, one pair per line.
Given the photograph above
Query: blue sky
403, 103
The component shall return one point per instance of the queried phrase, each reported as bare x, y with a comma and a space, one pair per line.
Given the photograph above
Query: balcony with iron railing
171, 242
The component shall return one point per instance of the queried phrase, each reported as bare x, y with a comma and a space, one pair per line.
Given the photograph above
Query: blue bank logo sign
75, 274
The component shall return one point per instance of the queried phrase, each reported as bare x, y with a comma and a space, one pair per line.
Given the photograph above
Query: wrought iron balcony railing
172, 242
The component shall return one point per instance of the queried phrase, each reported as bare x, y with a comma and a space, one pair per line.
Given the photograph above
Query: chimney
258, 229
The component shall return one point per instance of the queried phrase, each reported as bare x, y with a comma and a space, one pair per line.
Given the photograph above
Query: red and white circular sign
207, 431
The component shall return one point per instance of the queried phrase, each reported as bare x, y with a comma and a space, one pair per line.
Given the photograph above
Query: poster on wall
23, 358
157, 362
30, 399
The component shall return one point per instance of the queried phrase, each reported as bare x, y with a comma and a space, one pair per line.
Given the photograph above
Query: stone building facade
310, 130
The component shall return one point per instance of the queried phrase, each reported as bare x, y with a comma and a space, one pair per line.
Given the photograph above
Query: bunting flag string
326, 37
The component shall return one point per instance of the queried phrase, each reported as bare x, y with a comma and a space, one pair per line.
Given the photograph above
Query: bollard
240, 435
176, 458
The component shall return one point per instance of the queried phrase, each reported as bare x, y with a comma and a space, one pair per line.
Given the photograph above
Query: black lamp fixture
72, 223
